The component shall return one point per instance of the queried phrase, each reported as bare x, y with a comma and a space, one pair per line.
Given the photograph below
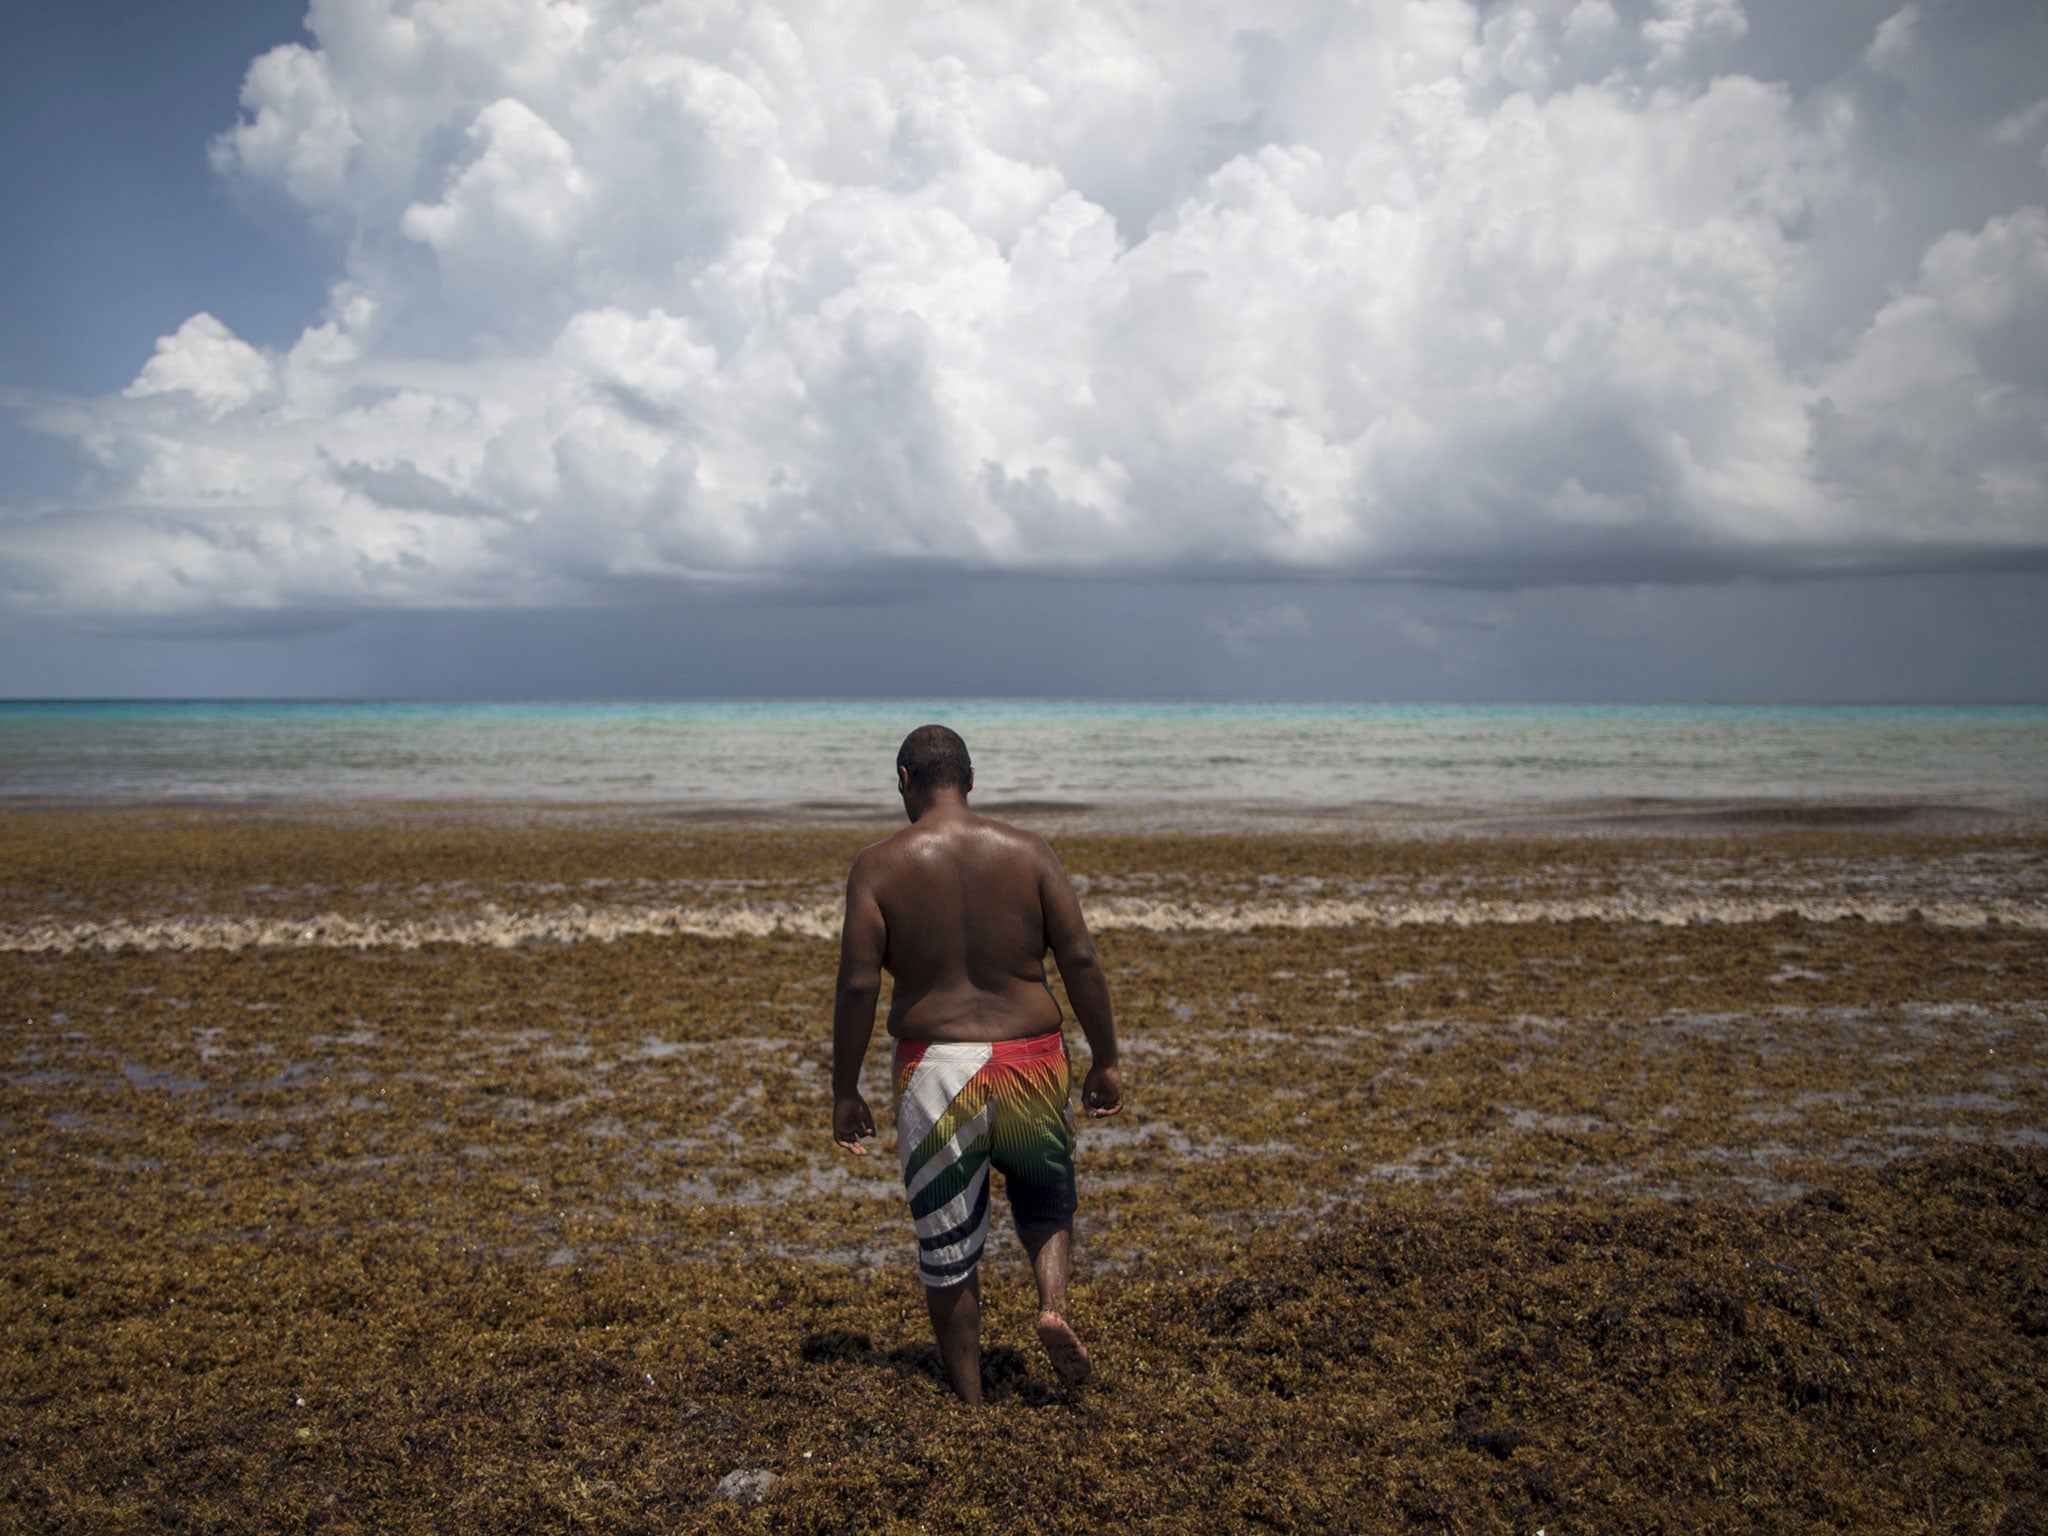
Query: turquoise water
1095, 753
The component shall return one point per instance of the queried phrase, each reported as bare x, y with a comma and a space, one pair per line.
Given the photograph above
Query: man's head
933, 758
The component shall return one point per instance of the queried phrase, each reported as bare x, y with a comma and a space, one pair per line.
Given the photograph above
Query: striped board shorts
962, 1105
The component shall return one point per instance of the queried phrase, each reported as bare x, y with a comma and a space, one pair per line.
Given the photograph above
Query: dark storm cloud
1971, 638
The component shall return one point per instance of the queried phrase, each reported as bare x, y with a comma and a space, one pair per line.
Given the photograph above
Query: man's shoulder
899, 846
875, 857
917, 841
1019, 843
879, 848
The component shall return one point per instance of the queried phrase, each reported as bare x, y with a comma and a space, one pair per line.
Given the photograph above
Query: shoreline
1652, 815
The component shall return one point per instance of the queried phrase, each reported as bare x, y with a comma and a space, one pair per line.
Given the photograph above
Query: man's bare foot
1069, 1359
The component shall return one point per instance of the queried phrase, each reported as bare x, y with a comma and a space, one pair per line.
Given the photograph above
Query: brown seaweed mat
1567, 1226
1869, 1357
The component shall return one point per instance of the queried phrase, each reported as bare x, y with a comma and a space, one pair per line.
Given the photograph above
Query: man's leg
1051, 1246
956, 1320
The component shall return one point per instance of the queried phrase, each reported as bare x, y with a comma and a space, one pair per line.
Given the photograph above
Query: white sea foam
573, 924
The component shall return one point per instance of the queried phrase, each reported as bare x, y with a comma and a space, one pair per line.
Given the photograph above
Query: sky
1403, 349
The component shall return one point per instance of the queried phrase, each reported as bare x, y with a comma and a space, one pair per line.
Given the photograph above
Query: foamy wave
502, 928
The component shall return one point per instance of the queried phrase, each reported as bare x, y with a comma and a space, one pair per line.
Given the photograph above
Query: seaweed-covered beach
436, 1169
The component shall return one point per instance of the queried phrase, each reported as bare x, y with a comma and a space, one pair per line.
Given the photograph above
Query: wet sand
423, 1168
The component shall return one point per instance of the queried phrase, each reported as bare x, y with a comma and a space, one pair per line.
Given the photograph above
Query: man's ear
970, 782
902, 780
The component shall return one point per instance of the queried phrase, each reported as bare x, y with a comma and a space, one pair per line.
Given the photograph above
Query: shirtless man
961, 910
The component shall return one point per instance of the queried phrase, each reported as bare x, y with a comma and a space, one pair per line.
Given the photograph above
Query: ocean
841, 754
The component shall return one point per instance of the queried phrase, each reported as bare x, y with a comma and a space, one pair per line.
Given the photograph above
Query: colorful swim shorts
962, 1105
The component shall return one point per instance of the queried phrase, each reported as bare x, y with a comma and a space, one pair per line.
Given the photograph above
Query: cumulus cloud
640, 295
207, 363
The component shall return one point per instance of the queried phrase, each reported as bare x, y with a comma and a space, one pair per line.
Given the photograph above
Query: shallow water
1064, 753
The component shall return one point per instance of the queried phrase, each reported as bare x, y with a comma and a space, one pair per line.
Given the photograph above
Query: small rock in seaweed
746, 1485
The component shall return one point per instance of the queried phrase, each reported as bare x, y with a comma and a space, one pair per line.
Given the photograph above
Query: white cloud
1939, 415
2023, 125
1680, 26
667, 292
206, 362
1892, 46
299, 132
522, 188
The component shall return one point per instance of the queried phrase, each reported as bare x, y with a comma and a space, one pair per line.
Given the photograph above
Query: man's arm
863, 939
1073, 951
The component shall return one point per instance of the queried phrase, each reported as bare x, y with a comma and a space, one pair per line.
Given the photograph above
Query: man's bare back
963, 902
962, 911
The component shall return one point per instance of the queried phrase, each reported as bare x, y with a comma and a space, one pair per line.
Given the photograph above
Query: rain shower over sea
839, 755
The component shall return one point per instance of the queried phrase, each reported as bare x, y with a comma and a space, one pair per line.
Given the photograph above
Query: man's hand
850, 1122
1102, 1091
